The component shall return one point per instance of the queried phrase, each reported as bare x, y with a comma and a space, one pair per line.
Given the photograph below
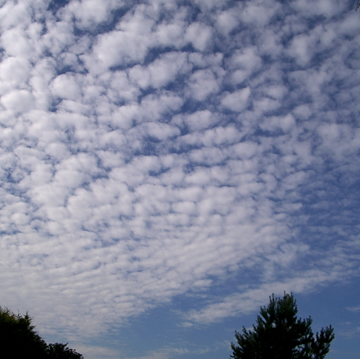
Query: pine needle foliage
19, 340
279, 334
18, 337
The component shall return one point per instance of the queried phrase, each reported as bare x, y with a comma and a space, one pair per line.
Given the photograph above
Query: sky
167, 165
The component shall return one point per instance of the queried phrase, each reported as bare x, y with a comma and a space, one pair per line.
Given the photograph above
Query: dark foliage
279, 334
19, 340
61, 351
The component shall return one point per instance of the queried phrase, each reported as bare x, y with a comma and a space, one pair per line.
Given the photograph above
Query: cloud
354, 309
90, 13
120, 48
66, 87
158, 150
236, 101
14, 72
226, 21
161, 72
18, 101
93, 352
203, 83
244, 63
199, 35
251, 299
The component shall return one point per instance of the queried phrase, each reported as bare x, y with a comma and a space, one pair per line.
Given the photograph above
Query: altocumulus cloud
155, 149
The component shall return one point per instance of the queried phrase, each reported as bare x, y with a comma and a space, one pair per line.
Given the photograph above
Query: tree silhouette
61, 351
279, 334
19, 340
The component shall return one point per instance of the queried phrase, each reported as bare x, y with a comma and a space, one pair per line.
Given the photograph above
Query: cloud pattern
153, 149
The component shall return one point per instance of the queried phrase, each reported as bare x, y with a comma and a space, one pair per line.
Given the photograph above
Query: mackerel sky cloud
166, 165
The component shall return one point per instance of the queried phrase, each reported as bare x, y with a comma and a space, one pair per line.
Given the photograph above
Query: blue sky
167, 165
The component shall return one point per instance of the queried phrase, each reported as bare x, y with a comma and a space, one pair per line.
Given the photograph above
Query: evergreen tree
279, 334
61, 351
18, 338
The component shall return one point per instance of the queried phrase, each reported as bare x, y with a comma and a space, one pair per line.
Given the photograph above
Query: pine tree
18, 338
279, 334
61, 351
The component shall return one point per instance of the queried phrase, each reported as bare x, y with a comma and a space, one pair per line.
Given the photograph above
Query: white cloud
127, 44
209, 4
171, 33
65, 86
320, 7
251, 299
158, 154
300, 48
199, 35
15, 43
258, 14
89, 13
58, 37
273, 123
236, 101
14, 72
227, 21
161, 72
200, 120
203, 83
120, 48
245, 150
18, 101
12, 14
244, 63
354, 309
